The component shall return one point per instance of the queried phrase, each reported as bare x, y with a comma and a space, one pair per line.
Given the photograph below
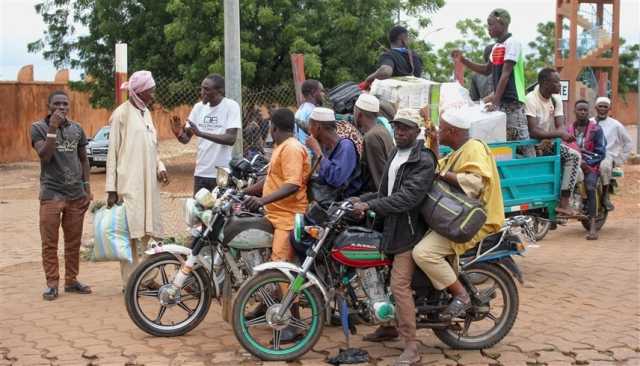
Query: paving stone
546, 357
623, 353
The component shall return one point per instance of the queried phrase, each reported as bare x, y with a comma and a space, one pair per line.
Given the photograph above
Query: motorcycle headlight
205, 198
191, 212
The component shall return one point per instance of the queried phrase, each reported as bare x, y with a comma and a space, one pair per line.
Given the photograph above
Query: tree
628, 77
543, 54
184, 39
438, 64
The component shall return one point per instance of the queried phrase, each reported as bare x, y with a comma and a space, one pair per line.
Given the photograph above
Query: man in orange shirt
284, 191
283, 194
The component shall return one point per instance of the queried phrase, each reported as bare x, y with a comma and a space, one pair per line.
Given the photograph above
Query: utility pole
232, 77
121, 72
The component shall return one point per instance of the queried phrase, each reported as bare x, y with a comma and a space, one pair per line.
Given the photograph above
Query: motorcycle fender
179, 251
174, 249
291, 270
512, 266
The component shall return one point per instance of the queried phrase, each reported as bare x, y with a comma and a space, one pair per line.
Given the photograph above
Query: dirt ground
580, 304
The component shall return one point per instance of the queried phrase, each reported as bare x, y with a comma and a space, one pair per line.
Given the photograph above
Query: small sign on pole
564, 90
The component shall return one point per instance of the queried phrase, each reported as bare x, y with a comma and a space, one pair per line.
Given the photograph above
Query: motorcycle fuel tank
359, 247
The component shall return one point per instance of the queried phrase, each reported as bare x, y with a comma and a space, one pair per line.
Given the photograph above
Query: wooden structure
591, 45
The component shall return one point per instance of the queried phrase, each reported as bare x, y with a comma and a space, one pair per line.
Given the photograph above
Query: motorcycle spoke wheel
265, 335
146, 298
486, 323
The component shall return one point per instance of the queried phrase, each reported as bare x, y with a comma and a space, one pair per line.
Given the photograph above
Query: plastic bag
111, 235
454, 96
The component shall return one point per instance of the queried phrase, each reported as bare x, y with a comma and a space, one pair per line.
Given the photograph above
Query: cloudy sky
19, 25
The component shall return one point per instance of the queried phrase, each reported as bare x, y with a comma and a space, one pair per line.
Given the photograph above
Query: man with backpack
397, 61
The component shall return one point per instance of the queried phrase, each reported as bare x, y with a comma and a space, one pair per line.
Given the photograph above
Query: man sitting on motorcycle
408, 176
472, 168
283, 192
591, 143
337, 172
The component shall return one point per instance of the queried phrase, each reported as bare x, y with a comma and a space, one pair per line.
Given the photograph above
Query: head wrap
409, 117
321, 114
368, 102
138, 82
502, 16
603, 100
457, 117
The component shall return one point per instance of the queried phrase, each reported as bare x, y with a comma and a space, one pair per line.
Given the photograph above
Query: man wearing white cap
472, 168
408, 177
619, 144
337, 158
377, 141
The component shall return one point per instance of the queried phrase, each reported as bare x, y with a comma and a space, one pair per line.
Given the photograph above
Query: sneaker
78, 288
51, 293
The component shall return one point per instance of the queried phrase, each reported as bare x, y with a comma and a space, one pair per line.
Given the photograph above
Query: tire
200, 278
602, 210
510, 292
540, 228
315, 302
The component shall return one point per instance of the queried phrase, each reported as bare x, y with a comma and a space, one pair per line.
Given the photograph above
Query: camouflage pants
517, 126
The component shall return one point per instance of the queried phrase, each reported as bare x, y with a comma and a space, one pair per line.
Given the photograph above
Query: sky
19, 25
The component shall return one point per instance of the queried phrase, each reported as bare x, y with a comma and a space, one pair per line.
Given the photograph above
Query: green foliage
438, 64
184, 39
629, 61
543, 54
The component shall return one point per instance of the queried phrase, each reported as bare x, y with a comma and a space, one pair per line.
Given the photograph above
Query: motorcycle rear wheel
143, 283
503, 324
540, 228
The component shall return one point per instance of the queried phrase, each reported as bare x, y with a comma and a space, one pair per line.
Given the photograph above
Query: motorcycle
344, 265
578, 202
170, 291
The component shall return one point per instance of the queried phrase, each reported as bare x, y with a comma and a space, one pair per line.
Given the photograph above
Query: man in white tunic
133, 165
619, 145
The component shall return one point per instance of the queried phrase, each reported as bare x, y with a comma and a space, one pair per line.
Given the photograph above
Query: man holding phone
215, 120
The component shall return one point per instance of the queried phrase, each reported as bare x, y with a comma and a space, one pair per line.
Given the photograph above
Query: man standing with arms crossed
506, 66
65, 193
215, 120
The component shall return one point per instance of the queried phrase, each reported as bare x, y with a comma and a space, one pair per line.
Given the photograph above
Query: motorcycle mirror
222, 177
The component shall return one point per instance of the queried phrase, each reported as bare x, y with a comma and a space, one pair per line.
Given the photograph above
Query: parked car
98, 147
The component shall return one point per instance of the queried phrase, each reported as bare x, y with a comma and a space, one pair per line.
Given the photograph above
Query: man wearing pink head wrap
133, 165
139, 82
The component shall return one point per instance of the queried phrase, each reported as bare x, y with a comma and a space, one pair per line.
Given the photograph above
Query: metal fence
256, 106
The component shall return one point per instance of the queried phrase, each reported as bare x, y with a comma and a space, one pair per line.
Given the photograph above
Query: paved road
578, 307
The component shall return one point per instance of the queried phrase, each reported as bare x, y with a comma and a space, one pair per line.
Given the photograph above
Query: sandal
382, 334
455, 309
407, 359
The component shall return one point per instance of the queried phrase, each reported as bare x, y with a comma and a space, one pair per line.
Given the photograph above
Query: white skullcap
368, 102
604, 100
457, 117
409, 117
321, 114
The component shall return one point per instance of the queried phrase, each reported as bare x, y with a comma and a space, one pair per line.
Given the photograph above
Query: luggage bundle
416, 93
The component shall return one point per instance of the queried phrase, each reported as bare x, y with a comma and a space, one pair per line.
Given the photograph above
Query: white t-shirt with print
214, 120
545, 110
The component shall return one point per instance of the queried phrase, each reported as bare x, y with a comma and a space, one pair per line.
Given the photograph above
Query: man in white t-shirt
215, 121
545, 117
619, 145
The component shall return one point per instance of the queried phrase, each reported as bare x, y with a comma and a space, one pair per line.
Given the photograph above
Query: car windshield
103, 134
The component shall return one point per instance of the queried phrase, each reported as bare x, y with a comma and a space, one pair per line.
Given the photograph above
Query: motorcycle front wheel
262, 335
485, 324
158, 308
